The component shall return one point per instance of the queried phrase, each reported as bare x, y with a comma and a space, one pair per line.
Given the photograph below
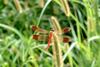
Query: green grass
18, 49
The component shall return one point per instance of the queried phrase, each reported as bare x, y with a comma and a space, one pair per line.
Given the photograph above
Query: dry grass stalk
41, 3
66, 7
18, 6
5, 2
57, 54
55, 25
26, 4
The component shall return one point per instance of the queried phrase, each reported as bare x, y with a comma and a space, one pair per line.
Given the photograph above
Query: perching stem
57, 54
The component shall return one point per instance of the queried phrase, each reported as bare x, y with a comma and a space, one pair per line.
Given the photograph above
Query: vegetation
18, 49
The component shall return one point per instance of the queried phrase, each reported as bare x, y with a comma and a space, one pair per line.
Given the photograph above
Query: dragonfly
44, 35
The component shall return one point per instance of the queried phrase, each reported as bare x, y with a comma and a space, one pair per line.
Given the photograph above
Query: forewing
39, 30
66, 30
40, 37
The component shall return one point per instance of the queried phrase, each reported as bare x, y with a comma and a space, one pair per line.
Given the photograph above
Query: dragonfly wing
66, 39
66, 30
39, 30
34, 28
40, 37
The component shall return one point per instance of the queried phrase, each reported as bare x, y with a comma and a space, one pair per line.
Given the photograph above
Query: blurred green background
18, 49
